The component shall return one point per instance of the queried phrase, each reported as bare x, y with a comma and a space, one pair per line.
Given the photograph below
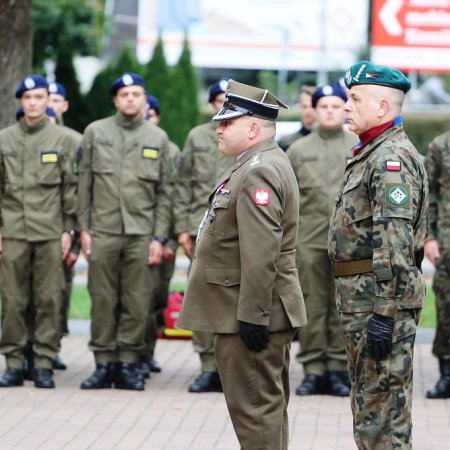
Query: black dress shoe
11, 378
154, 365
58, 363
127, 377
206, 382
143, 368
43, 378
101, 378
311, 385
336, 385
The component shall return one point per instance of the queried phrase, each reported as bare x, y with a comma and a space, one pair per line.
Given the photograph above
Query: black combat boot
43, 378
12, 378
206, 382
442, 388
58, 363
102, 377
128, 377
335, 384
143, 368
154, 365
311, 385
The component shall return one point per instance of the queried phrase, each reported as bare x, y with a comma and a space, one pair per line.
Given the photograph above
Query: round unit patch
398, 195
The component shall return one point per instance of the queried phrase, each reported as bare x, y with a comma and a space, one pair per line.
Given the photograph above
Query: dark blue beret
328, 90
32, 81
127, 79
219, 87
57, 88
153, 103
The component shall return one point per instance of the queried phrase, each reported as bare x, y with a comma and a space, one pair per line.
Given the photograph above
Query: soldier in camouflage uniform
376, 239
199, 167
437, 250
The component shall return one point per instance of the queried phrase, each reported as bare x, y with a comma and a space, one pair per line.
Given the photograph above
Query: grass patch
80, 306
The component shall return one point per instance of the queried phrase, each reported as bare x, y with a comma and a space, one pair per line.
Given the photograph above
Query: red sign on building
412, 34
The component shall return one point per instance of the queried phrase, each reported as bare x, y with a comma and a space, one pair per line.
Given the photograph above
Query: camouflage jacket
437, 163
381, 214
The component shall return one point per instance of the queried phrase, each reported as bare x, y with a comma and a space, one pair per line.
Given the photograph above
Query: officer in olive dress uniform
308, 116
319, 162
243, 285
38, 199
437, 250
124, 212
376, 238
199, 167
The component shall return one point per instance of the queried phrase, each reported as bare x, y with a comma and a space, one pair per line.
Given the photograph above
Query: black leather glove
255, 337
379, 336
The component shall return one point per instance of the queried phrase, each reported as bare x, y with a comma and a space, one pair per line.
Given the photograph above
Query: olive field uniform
319, 162
38, 199
199, 167
437, 164
377, 229
123, 200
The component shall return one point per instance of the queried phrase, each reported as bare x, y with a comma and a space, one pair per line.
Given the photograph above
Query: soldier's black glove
379, 336
255, 337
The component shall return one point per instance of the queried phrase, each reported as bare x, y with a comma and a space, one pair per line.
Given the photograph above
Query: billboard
257, 34
412, 34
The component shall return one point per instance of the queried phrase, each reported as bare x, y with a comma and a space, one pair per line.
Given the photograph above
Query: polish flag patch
261, 197
393, 166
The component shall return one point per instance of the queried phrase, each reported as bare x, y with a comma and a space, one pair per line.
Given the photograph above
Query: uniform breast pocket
102, 157
204, 164
147, 168
218, 216
49, 173
355, 200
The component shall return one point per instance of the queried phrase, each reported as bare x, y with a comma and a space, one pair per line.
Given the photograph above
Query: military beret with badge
33, 81
219, 87
57, 88
364, 72
328, 90
125, 80
244, 100
153, 103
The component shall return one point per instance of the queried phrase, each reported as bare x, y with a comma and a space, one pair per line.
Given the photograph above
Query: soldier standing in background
437, 250
243, 284
376, 239
164, 272
38, 198
319, 162
199, 167
308, 116
124, 212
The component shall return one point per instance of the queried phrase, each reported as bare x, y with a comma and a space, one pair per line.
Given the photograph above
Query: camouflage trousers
441, 287
381, 393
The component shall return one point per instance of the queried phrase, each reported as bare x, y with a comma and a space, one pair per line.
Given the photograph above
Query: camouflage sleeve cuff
385, 307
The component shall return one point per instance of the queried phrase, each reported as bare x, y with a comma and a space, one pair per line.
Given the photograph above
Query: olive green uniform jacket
244, 264
199, 166
124, 177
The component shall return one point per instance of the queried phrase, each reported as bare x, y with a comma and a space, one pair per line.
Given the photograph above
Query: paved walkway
166, 417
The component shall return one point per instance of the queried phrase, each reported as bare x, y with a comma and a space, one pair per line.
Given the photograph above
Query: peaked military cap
328, 90
57, 88
30, 82
127, 79
364, 72
244, 100
219, 87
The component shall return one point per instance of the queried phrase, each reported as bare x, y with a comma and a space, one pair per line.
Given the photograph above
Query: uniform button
227, 281
266, 313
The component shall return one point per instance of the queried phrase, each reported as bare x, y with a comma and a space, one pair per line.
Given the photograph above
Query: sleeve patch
398, 195
261, 197
393, 166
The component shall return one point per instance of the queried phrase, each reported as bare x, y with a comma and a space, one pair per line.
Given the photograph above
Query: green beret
364, 72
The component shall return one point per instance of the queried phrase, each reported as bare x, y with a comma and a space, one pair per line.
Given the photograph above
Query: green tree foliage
156, 73
69, 26
182, 111
65, 73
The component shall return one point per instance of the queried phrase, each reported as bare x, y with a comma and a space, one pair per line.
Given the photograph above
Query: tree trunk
15, 53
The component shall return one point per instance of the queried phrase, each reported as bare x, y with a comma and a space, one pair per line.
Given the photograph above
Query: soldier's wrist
162, 240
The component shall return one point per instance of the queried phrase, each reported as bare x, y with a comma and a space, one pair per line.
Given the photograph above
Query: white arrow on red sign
388, 17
